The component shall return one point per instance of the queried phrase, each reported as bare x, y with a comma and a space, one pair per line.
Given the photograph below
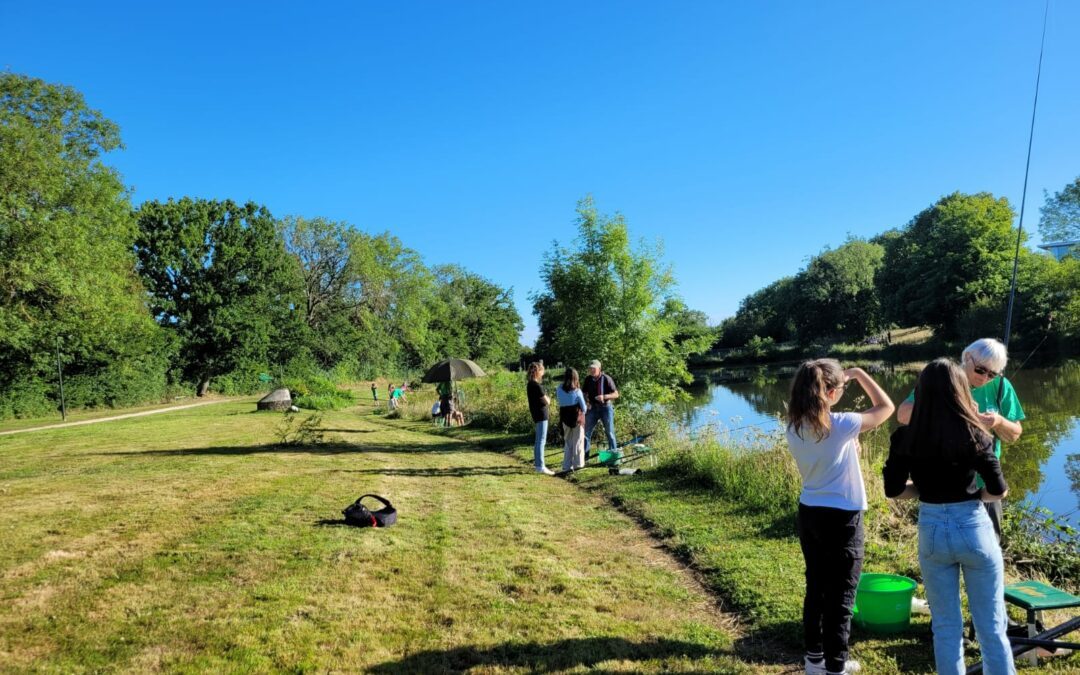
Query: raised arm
882, 406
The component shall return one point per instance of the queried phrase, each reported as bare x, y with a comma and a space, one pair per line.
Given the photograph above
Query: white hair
986, 352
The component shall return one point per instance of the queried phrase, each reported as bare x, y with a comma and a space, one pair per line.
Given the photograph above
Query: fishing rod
1023, 194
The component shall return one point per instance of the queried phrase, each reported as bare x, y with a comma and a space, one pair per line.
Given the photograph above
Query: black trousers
832, 544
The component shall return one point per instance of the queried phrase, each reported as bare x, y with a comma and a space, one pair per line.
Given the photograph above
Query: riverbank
729, 514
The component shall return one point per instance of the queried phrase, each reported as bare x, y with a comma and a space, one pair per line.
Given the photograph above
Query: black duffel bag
361, 516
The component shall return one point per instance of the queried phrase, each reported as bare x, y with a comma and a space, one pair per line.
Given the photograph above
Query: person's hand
990, 419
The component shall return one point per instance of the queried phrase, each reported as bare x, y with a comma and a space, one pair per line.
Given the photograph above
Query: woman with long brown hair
942, 451
572, 416
826, 449
538, 409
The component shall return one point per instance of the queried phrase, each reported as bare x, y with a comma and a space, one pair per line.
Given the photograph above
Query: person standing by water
942, 450
538, 408
600, 391
999, 407
826, 449
571, 416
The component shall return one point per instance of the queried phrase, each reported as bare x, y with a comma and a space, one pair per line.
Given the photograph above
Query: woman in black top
941, 451
538, 408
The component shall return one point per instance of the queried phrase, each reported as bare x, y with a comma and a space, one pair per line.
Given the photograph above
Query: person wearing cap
600, 391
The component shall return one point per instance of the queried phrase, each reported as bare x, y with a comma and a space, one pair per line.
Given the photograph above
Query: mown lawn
753, 562
190, 542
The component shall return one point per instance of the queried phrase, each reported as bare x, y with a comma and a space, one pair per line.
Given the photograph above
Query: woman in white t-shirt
826, 449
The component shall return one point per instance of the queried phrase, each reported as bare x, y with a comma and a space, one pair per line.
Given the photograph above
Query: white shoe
546, 471
819, 668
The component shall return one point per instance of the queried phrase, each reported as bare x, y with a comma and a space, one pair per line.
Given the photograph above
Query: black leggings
832, 544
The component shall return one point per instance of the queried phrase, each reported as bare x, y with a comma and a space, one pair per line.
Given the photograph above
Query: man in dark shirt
600, 391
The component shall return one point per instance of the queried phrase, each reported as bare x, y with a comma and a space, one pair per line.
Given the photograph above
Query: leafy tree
949, 257
219, 279
836, 292
475, 317
691, 331
768, 312
1061, 214
605, 300
66, 268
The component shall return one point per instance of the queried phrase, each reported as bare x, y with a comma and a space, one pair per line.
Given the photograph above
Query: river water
1042, 467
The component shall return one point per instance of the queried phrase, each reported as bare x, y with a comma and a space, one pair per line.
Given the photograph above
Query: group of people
582, 405
946, 455
395, 394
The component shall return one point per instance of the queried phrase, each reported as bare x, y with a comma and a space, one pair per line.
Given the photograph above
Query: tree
475, 318
604, 300
220, 280
66, 268
951, 256
836, 295
766, 313
1061, 214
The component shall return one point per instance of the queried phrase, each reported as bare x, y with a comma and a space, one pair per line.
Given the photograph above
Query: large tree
475, 318
220, 279
66, 268
836, 295
605, 300
951, 256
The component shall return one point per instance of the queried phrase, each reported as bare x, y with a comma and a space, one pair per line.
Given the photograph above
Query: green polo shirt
986, 397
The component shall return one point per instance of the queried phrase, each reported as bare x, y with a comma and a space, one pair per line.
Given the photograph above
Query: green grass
189, 542
715, 513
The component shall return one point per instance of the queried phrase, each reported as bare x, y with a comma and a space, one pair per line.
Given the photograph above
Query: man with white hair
999, 408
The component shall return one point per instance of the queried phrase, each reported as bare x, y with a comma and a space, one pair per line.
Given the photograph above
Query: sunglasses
981, 370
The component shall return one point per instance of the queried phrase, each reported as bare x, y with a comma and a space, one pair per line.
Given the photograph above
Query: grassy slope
188, 542
754, 564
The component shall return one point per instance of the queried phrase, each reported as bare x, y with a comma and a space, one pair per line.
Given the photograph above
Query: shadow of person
543, 658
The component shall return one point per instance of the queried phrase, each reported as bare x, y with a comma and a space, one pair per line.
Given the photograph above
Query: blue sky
746, 136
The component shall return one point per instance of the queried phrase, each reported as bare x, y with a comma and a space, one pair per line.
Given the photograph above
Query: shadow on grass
542, 658
445, 472
317, 449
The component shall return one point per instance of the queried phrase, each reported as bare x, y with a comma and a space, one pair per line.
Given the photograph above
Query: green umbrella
453, 369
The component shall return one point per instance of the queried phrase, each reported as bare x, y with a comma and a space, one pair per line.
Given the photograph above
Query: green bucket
883, 602
609, 457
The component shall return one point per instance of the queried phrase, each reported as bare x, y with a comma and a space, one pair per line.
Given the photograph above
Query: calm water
1043, 466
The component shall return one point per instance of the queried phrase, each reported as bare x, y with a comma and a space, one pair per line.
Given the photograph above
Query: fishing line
1023, 195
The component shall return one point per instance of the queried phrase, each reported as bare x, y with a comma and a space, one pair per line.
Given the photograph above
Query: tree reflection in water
755, 396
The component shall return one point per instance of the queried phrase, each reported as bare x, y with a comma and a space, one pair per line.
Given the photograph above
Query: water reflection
1044, 465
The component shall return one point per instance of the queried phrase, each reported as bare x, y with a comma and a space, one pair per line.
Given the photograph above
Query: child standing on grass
826, 449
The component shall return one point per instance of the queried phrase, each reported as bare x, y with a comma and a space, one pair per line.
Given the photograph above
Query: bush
335, 400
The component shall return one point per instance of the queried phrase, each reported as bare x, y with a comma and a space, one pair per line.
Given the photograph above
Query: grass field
189, 542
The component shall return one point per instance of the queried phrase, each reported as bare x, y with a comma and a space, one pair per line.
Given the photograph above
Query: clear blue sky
747, 136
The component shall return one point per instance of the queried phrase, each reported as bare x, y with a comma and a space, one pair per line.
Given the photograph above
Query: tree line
194, 293
948, 268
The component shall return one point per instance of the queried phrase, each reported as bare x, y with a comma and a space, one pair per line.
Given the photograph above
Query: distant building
1060, 249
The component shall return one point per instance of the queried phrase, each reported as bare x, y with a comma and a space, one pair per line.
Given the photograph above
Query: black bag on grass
361, 516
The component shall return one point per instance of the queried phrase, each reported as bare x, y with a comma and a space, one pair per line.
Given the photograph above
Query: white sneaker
546, 471
819, 668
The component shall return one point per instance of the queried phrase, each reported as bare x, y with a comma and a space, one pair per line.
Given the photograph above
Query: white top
830, 468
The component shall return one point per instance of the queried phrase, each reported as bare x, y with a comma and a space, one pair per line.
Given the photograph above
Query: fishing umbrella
453, 369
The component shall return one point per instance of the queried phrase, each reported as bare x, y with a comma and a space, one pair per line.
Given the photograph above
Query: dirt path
142, 413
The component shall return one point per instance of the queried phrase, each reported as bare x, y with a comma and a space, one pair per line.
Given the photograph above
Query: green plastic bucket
883, 602
609, 457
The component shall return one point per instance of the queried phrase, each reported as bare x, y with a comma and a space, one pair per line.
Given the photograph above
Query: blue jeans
955, 538
604, 414
538, 446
